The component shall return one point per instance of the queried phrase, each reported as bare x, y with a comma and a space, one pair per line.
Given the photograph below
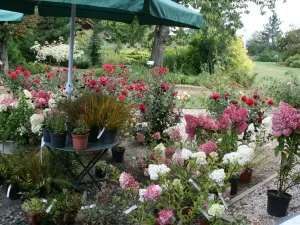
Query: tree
95, 46
290, 44
272, 31
218, 15
256, 44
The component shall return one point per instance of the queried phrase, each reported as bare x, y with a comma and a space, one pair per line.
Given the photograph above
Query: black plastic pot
278, 205
14, 192
118, 154
234, 182
109, 136
94, 132
69, 133
58, 140
46, 135
100, 173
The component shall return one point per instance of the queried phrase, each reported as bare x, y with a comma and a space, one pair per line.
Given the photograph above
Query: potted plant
284, 124
100, 169
33, 209
58, 130
46, 128
80, 135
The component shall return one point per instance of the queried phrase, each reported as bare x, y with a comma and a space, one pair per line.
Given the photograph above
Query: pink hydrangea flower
177, 160
153, 193
140, 138
169, 152
175, 134
127, 182
165, 216
208, 147
285, 120
166, 161
156, 136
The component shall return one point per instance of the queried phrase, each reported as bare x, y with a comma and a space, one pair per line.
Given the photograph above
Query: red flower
122, 66
19, 68
142, 107
124, 83
270, 102
132, 106
90, 73
235, 102
256, 96
250, 101
121, 97
92, 83
49, 76
244, 98
36, 81
13, 76
175, 93
164, 86
125, 92
27, 73
255, 103
41, 86
226, 96
103, 81
135, 81
131, 87
138, 94
46, 68
259, 113
259, 120
215, 96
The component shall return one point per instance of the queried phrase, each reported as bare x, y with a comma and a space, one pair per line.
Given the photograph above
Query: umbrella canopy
149, 12
12, 17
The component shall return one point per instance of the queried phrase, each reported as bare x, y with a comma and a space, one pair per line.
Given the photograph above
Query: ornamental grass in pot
285, 125
80, 135
34, 209
58, 130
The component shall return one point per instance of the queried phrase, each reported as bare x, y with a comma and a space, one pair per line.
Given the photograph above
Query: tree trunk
160, 38
4, 55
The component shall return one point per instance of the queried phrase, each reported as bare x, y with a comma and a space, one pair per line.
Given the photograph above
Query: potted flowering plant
80, 135
285, 125
100, 169
58, 130
34, 208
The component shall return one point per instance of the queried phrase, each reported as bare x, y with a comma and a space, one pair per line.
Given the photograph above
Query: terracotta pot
32, 219
185, 211
246, 175
80, 142
204, 221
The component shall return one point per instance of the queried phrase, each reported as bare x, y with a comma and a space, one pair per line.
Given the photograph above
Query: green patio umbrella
148, 12
8, 17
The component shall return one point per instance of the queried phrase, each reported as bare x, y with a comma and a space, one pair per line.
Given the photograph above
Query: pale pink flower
177, 160
140, 137
127, 182
165, 216
156, 136
153, 193
208, 147
169, 152
175, 134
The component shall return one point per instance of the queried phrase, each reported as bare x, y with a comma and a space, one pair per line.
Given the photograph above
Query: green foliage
134, 56
290, 44
293, 61
84, 62
15, 56
268, 56
35, 67
34, 206
101, 164
256, 44
112, 57
58, 123
95, 47
81, 127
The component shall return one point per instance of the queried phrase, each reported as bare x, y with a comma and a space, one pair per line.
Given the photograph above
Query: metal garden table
98, 149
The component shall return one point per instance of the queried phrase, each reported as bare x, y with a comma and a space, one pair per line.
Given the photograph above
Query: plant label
205, 214
130, 209
222, 199
50, 206
8, 191
41, 150
45, 201
88, 206
150, 63
211, 197
194, 184
100, 133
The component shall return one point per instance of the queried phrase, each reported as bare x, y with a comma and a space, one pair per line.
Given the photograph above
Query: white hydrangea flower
14, 105
186, 154
144, 124
218, 176
213, 154
252, 145
141, 194
160, 148
3, 107
232, 158
36, 121
52, 103
27, 94
216, 210
246, 155
156, 170
201, 158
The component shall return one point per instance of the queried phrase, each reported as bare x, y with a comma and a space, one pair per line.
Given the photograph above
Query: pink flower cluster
177, 160
127, 182
153, 193
285, 120
8, 100
156, 136
41, 98
175, 134
165, 216
203, 122
208, 147
234, 115
140, 138
169, 152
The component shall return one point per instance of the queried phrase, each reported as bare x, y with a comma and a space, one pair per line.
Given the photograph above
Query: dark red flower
142, 107
259, 113
92, 83
259, 120
226, 96
49, 76
235, 102
36, 81
164, 86
250, 101
215, 96
255, 103
244, 98
103, 81
175, 93
27, 73
138, 94
125, 92
13, 76
135, 81
90, 73
270, 102
256, 95
132, 106
130, 87
121, 97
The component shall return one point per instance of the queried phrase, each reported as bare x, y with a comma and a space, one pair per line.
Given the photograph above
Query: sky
289, 14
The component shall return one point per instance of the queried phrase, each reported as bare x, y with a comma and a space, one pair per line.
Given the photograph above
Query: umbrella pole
69, 86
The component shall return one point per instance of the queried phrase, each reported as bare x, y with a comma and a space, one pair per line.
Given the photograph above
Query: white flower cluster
57, 50
218, 176
243, 155
27, 94
22, 130
160, 149
201, 158
171, 184
157, 170
141, 195
216, 210
186, 154
3, 107
36, 121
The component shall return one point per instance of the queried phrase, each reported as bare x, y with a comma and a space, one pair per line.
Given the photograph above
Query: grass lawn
272, 70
